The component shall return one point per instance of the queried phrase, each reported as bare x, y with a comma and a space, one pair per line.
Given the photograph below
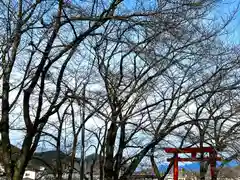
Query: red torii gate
212, 157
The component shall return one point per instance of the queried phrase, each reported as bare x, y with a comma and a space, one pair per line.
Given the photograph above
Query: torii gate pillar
175, 167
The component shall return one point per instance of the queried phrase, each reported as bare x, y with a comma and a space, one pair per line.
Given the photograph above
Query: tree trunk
82, 172
59, 161
26, 154
73, 158
4, 125
203, 165
119, 155
109, 160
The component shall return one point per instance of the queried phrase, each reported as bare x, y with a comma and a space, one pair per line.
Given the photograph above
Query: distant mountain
188, 166
195, 166
47, 159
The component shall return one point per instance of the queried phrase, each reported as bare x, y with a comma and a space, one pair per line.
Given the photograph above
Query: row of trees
117, 78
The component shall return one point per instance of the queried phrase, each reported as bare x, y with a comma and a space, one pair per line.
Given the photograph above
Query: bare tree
147, 88
143, 68
35, 52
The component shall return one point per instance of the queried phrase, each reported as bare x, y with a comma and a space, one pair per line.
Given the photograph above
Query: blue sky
223, 10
